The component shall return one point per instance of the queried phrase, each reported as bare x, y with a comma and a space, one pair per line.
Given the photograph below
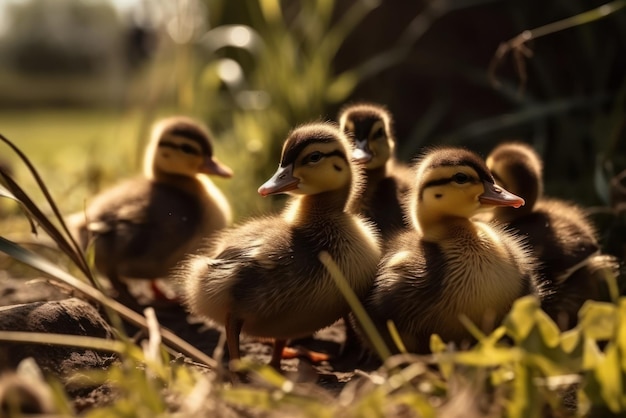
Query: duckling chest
351, 242
481, 274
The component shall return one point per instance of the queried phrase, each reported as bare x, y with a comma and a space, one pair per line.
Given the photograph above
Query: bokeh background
81, 81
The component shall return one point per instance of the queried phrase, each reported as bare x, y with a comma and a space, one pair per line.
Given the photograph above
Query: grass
536, 370
76, 151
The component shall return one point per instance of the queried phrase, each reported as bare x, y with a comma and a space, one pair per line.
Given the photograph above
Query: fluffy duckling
144, 226
264, 277
560, 235
449, 265
388, 181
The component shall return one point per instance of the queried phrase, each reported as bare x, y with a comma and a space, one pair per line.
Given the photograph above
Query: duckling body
264, 277
387, 181
449, 265
144, 226
562, 238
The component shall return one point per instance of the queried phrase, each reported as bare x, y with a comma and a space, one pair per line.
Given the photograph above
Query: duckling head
454, 183
517, 167
369, 126
181, 146
314, 160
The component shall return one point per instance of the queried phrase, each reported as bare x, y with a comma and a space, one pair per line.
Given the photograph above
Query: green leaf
518, 406
489, 356
592, 355
437, 345
598, 319
570, 340
609, 376
495, 337
519, 321
548, 329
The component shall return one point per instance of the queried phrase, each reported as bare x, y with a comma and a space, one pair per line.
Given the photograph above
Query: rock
70, 316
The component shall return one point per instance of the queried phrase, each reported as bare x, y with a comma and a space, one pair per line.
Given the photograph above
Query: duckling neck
188, 184
319, 205
437, 230
375, 175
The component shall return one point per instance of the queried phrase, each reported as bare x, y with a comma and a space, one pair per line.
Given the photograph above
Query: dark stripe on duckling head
303, 136
186, 148
451, 157
190, 131
363, 116
456, 157
460, 178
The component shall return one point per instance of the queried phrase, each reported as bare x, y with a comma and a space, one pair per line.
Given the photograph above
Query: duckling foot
299, 351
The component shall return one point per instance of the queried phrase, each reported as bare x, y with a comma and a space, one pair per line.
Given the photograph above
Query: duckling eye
188, 149
379, 133
460, 178
313, 157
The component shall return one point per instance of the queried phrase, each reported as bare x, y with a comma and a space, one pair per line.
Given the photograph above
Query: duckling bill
369, 127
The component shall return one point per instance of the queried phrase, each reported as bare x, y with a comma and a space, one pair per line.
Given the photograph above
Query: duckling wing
559, 235
143, 228
408, 291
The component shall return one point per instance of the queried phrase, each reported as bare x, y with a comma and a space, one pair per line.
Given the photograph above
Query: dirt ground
331, 375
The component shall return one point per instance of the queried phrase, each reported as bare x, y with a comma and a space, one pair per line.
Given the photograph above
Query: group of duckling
420, 245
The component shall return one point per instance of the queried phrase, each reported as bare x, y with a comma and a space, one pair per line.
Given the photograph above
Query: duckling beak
214, 167
495, 195
282, 181
361, 153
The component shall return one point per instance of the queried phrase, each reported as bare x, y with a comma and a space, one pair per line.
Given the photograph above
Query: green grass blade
71, 247
45, 266
77, 341
358, 310
4, 192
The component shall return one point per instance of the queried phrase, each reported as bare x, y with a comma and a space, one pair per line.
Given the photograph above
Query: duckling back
275, 282
143, 228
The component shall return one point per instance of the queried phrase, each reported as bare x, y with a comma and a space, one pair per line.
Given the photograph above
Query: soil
36, 304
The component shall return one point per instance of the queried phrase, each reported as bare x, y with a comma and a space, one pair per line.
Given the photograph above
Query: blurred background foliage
82, 80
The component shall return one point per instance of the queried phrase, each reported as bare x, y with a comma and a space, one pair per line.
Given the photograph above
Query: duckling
449, 265
560, 234
144, 226
264, 277
388, 181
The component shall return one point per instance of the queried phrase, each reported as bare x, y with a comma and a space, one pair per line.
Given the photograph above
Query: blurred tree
62, 37
66, 52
